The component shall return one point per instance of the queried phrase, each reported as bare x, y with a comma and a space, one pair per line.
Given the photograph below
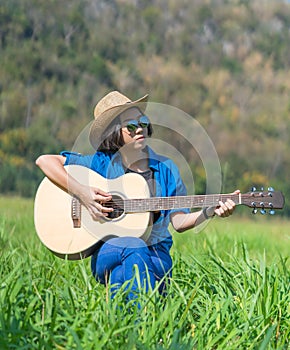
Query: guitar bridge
76, 212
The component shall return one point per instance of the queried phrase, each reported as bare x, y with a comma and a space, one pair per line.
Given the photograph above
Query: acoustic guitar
67, 229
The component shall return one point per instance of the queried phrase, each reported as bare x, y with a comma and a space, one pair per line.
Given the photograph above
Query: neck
136, 160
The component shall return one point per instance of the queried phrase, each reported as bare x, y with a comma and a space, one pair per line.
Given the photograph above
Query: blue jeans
114, 263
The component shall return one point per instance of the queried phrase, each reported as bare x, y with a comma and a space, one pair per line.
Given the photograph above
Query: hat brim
101, 123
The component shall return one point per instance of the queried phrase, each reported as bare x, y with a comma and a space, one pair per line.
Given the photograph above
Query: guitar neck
178, 202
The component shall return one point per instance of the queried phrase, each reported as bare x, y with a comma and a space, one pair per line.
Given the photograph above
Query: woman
119, 134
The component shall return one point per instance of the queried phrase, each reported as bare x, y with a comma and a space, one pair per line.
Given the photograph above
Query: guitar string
170, 202
188, 199
157, 203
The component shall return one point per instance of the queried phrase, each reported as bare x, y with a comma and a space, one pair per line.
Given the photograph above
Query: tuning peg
271, 211
253, 189
270, 189
254, 211
262, 188
262, 211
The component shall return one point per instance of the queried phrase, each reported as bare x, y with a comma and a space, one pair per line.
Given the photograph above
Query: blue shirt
167, 178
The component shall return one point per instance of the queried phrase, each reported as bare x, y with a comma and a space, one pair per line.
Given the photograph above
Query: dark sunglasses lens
132, 125
144, 121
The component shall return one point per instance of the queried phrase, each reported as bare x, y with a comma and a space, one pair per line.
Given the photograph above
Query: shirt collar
153, 160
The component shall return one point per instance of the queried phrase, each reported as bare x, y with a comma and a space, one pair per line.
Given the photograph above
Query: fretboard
178, 202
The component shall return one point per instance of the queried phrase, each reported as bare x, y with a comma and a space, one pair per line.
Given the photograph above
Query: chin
140, 144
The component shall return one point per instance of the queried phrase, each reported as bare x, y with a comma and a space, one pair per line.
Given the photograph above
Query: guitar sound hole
118, 205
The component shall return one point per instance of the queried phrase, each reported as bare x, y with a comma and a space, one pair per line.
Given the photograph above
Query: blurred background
225, 63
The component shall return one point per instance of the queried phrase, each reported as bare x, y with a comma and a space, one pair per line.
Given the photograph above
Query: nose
139, 130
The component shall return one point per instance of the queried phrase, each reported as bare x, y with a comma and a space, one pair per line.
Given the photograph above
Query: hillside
225, 63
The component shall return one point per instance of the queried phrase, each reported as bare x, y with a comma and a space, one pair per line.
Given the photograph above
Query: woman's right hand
94, 199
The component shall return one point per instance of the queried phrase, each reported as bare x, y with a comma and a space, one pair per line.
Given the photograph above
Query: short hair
114, 139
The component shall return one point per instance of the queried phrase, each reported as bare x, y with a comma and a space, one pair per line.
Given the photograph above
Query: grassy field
230, 290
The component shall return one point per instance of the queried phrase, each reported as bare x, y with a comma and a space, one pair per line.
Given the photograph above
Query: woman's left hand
226, 208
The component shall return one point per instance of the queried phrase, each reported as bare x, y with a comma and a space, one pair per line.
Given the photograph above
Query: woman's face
136, 137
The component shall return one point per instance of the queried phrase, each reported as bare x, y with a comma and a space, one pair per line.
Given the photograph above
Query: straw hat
108, 108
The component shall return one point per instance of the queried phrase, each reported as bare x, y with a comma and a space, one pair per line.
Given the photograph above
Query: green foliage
232, 65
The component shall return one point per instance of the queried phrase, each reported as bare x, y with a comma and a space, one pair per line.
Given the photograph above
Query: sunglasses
133, 125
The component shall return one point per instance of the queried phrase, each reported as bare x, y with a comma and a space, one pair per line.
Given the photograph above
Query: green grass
265, 236
230, 290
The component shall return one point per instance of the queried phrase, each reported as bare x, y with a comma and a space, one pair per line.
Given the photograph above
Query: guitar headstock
263, 200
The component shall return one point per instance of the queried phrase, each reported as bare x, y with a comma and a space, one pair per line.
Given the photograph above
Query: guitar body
53, 214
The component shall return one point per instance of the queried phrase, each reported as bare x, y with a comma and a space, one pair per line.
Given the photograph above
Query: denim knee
127, 242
